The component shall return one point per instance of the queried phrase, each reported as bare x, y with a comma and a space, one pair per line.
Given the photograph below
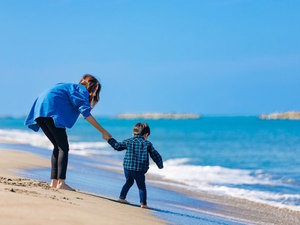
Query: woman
58, 108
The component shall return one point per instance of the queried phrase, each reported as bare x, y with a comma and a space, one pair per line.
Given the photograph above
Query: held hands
106, 136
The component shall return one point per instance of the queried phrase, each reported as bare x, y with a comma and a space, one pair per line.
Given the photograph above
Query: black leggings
59, 139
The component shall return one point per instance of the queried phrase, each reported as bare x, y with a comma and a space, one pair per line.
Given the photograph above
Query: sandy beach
27, 201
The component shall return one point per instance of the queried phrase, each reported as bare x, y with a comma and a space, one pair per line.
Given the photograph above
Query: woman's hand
106, 136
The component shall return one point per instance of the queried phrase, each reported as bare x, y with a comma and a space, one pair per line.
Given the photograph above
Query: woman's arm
105, 135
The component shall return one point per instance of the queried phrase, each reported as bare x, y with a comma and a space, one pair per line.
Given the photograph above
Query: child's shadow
153, 209
106, 198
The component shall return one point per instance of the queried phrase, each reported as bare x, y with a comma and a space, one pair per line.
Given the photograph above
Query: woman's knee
63, 147
55, 151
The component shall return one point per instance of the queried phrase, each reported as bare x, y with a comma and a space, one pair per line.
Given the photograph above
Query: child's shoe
144, 206
123, 201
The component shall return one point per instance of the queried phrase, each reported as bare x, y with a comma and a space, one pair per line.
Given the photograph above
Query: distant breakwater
158, 116
290, 115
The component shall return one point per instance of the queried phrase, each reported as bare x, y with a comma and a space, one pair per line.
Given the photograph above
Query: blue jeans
139, 178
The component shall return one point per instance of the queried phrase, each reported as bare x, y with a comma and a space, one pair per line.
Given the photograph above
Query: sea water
242, 157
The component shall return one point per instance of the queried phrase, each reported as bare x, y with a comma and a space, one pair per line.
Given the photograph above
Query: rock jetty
158, 116
291, 115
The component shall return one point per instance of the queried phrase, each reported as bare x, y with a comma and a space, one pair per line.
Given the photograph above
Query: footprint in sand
24, 182
16, 190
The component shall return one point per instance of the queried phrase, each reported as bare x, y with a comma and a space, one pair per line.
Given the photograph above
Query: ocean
238, 156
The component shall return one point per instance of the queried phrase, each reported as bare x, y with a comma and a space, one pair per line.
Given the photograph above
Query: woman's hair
141, 129
93, 86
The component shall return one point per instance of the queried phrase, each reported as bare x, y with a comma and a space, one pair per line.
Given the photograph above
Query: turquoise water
237, 156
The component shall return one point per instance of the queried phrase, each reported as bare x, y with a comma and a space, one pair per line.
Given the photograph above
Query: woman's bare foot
123, 201
63, 186
53, 183
144, 206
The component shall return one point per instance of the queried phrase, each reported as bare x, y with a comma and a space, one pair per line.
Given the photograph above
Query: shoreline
239, 209
28, 201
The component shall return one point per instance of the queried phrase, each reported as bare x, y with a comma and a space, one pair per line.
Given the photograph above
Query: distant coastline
158, 116
290, 115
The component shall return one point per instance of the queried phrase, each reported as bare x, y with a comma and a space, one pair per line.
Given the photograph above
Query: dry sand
27, 201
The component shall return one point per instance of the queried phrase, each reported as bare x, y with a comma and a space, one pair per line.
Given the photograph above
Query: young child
136, 160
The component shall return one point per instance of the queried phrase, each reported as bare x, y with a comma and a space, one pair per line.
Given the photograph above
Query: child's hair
93, 86
141, 129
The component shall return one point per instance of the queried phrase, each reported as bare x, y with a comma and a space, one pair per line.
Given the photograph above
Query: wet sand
242, 209
248, 212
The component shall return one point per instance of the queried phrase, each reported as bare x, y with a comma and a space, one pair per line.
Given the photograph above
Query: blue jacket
63, 102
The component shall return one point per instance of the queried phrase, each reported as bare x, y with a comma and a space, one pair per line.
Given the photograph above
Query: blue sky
208, 57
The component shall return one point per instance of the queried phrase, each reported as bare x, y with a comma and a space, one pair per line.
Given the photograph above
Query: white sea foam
177, 169
14, 136
223, 181
90, 148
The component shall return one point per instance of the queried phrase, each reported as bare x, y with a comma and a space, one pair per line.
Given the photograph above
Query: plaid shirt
136, 157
